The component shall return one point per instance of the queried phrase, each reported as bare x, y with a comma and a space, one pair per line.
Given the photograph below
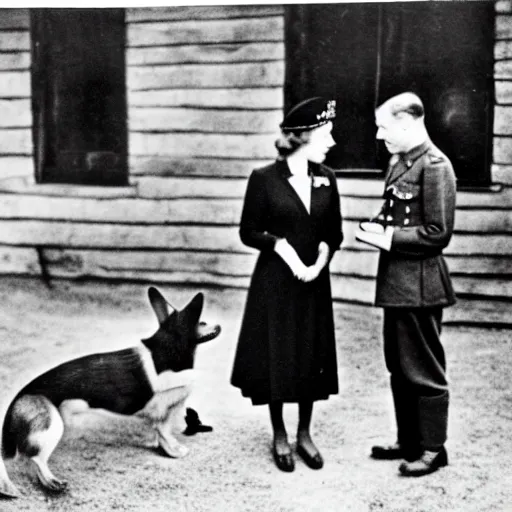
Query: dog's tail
8, 437
8, 450
7, 488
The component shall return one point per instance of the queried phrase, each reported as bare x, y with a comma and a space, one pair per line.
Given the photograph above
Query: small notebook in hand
380, 240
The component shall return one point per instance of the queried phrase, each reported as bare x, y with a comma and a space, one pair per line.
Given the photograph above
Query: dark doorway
79, 96
362, 54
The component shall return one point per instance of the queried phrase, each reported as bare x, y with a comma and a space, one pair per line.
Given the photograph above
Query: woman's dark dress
286, 348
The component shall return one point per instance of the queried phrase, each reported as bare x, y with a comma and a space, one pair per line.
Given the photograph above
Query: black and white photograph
256, 256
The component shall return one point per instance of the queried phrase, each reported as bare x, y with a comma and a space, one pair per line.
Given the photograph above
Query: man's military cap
309, 114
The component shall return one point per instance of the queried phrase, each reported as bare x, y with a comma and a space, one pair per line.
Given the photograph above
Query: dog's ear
159, 305
191, 313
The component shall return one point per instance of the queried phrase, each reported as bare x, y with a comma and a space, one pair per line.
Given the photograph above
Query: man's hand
372, 227
379, 237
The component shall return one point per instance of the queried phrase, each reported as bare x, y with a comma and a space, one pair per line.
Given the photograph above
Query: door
362, 54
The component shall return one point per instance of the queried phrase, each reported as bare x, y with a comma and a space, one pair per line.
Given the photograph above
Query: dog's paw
171, 446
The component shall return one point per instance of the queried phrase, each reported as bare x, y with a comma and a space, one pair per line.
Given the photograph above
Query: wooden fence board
148, 171
15, 113
208, 238
10, 41
205, 31
460, 244
360, 187
178, 186
15, 61
344, 263
503, 92
84, 235
503, 26
479, 265
217, 263
155, 276
200, 120
503, 6
364, 263
192, 187
19, 260
479, 244
501, 199
15, 141
502, 50
470, 311
197, 12
489, 287
268, 74
502, 149
16, 166
15, 84
123, 211
249, 98
502, 70
484, 221
14, 19
353, 289
502, 174
255, 147
210, 53
502, 119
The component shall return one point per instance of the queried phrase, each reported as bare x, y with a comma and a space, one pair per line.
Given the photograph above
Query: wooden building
127, 135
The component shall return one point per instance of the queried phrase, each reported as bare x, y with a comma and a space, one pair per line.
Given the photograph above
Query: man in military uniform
413, 282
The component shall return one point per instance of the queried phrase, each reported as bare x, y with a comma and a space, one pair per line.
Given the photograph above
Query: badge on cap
309, 114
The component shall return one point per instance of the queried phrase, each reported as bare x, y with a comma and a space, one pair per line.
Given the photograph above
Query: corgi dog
150, 380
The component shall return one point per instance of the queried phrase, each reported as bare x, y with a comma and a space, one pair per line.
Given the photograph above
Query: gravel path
109, 465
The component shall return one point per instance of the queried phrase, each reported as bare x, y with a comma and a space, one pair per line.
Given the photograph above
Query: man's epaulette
434, 158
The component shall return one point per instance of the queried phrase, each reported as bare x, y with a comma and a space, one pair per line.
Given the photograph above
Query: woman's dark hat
309, 114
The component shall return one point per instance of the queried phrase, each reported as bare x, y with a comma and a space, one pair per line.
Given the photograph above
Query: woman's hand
291, 258
313, 271
299, 270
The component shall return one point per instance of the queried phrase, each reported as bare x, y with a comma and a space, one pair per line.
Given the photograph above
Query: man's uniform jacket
419, 197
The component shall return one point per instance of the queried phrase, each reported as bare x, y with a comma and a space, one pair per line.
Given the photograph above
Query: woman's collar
314, 169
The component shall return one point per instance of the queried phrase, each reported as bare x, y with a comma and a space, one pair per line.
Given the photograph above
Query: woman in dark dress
286, 350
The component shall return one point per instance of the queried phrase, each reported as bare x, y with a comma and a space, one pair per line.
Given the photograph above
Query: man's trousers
416, 361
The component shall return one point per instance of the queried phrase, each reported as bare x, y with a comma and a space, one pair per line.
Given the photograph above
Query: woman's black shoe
284, 462
313, 461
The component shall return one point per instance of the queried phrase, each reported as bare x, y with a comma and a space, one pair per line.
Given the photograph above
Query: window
362, 54
79, 96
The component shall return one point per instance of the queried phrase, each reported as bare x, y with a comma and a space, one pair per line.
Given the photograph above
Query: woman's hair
289, 142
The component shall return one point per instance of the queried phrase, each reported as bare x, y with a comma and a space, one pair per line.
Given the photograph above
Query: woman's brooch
318, 181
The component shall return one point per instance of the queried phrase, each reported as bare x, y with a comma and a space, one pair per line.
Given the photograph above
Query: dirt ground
109, 465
